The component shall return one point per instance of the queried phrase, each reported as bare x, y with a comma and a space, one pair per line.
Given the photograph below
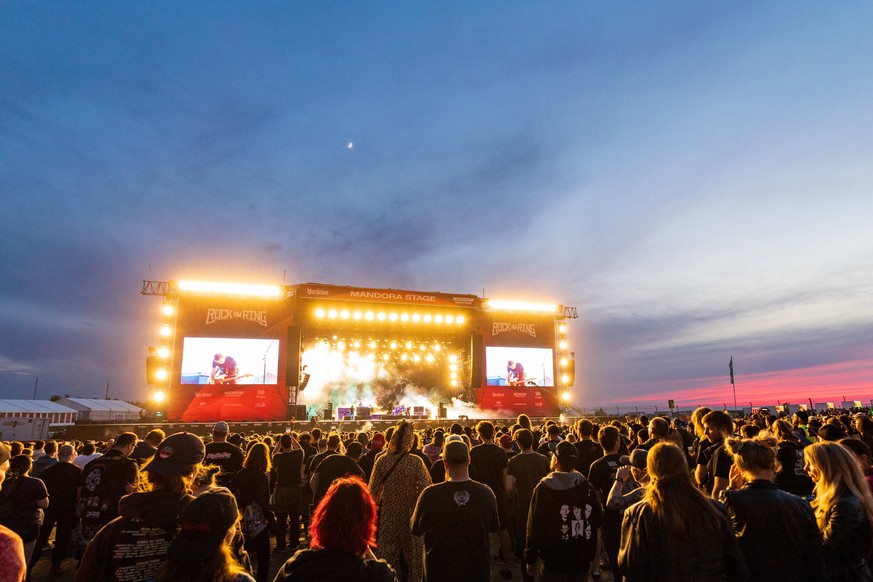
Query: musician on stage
224, 370
515, 375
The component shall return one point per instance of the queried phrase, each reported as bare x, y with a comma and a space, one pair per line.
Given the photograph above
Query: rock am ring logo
502, 327
216, 314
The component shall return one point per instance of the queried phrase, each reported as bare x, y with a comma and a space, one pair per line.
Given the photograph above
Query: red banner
236, 403
531, 401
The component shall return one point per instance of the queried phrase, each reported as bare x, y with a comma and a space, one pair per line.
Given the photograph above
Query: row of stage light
334, 314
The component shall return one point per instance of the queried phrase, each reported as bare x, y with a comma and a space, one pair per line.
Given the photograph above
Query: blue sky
695, 178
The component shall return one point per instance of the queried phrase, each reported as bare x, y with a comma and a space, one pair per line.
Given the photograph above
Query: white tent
57, 413
96, 410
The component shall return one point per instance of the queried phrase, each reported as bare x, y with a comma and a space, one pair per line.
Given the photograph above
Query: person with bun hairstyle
676, 532
776, 530
843, 509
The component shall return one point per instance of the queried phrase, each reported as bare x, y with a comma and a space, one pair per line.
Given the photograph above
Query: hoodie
562, 524
134, 545
333, 566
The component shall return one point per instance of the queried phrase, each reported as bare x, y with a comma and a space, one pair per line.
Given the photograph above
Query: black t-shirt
455, 518
718, 463
527, 469
548, 448
332, 468
226, 455
602, 475
61, 480
589, 451
288, 465
22, 493
437, 472
103, 485
486, 464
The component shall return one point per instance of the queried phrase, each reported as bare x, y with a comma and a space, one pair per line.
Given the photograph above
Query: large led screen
220, 360
515, 366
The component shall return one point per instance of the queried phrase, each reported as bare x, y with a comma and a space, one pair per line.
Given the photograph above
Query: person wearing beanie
202, 548
133, 545
564, 516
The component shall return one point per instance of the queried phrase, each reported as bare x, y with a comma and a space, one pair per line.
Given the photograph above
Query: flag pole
733, 383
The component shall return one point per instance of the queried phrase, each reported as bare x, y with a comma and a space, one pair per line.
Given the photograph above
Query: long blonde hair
838, 473
697, 421
674, 499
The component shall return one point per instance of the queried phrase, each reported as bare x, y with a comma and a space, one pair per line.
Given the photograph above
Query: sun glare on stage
236, 289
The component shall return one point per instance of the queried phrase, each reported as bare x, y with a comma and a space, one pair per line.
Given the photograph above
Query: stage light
319, 313
565, 379
562, 328
268, 291
453, 367
416, 318
159, 396
403, 357
341, 346
392, 316
450, 319
437, 347
565, 396
369, 316
332, 314
345, 314
429, 358
505, 305
460, 320
427, 318
357, 344
422, 347
404, 317
357, 315
167, 309
372, 345
393, 345
381, 316
563, 344
453, 358
408, 345
438, 318
386, 357
453, 375
165, 330
453, 383
416, 358
564, 362
161, 374
164, 352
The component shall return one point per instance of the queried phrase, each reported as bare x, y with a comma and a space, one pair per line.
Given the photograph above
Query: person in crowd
523, 472
133, 545
202, 550
455, 518
13, 566
334, 446
88, 454
416, 450
62, 482
23, 498
677, 532
562, 524
790, 474
589, 449
377, 443
398, 479
205, 480
333, 467
700, 444
602, 477
547, 447
342, 532
251, 485
831, 432
776, 530
633, 473
718, 426
844, 510
488, 465
146, 448
49, 458
286, 499
105, 480
37, 450
864, 426
223, 453
505, 442
435, 447
861, 452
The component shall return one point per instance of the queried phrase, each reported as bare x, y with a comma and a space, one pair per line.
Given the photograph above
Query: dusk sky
695, 177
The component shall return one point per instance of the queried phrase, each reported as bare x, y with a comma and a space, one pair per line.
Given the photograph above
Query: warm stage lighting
426, 318
392, 317
565, 379
453, 358
319, 313
164, 352
562, 328
438, 318
266, 291
161, 374
159, 396
564, 362
166, 331
416, 318
404, 317
565, 396
460, 320
381, 316
357, 315
332, 313
503, 305
429, 358
344, 314
450, 319
167, 309
563, 345
369, 316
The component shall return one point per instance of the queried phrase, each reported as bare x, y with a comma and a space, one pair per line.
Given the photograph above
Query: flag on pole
731, 368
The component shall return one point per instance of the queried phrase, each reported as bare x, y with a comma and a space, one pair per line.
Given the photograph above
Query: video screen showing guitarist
224, 370
515, 375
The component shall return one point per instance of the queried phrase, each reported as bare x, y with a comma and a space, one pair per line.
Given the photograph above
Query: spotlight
460, 320
357, 315
165, 330
404, 317
427, 318
345, 314
416, 318
438, 318
416, 358
408, 345
565, 379
372, 345
381, 316
369, 316
319, 313
392, 317
161, 374
562, 328
565, 396
332, 314
453, 358
164, 352
159, 396
167, 309
450, 319
563, 345
564, 362
429, 358
393, 345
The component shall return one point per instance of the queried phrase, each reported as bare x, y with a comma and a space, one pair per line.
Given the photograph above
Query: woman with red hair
342, 530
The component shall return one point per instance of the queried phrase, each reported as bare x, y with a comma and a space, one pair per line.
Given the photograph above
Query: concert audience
62, 482
286, 498
251, 487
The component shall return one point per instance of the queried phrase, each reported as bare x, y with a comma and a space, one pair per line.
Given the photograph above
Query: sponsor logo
463, 300
317, 291
214, 314
389, 296
526, 328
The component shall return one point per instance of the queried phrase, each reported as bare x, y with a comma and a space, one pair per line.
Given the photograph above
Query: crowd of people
716, 498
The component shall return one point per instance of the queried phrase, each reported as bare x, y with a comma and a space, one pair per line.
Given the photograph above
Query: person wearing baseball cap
564, 517
223, 453
630, 480
458, 504
201, 550
138, 539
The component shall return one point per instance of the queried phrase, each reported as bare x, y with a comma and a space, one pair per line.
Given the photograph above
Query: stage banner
532, 401
397, 296
508, 329
236, 403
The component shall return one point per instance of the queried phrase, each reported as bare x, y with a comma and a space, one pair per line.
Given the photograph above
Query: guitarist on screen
224, 370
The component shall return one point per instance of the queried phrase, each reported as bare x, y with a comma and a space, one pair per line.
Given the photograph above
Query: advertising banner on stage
530, 401
334, 292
